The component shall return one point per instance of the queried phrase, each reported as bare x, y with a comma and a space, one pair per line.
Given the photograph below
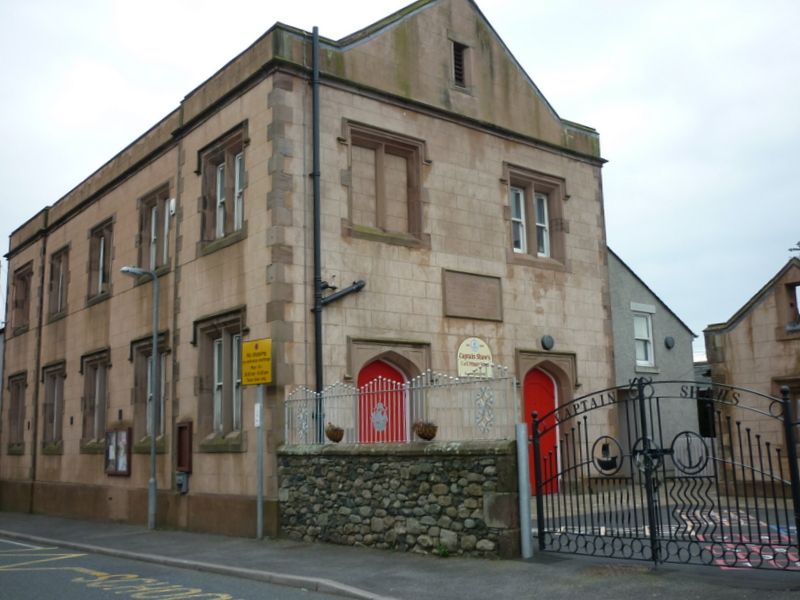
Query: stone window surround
561, 366
53, 376
159, 199
17, 384
225, 147
555, 188
21, 306
139, 354
58, 285
101, 250
206, 329
90, 363
414, 150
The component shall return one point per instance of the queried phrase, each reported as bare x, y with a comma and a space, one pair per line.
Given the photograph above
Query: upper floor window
154, 230
519, 222
535, 212
100, 254
20, 314
224, 184
793, 293
384, 202
95, 396
643, 339
53, 403
59, 272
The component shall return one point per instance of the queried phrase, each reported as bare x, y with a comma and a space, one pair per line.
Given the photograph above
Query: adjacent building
650, 341
449, 185
758, 348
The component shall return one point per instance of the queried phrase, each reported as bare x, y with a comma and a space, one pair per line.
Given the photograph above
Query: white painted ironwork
463, 408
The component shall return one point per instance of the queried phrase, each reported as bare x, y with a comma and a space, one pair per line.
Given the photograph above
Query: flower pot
334, 434
426, 431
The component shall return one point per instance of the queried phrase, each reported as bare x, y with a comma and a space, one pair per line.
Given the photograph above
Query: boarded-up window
385, 183
22, 296
16, 409
59, 279
53, 404
100, 255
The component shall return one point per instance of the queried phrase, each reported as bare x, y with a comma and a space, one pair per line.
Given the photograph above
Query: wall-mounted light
548, 342
669, 342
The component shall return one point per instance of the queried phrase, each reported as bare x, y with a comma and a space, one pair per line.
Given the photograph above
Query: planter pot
334, 434
426, 431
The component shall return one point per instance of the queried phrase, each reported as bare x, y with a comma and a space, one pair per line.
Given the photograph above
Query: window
154, 230
100, 253
535, 209
643, 336
95, 396
227, 384
460, 65
224, 182
519, 233
16, 411
53, 403
23, 277
793, 293
143, 404
384, 201
59, 271
219, 340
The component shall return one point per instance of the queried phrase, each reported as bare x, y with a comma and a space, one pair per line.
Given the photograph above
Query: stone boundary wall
446, 498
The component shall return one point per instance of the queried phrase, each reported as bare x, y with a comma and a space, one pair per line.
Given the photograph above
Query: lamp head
133, 271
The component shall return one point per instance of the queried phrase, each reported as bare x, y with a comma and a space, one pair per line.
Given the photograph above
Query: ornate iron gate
724, 491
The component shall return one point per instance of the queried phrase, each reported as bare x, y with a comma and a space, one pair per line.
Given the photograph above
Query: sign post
257, 370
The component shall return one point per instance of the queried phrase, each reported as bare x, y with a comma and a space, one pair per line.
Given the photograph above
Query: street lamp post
154, 389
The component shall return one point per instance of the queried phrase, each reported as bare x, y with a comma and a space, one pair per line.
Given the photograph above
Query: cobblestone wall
428, 498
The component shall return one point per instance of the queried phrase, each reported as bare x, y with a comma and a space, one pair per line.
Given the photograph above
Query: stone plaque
471, 296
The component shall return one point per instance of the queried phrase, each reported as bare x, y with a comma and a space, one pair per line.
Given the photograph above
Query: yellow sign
257, 362
474, 358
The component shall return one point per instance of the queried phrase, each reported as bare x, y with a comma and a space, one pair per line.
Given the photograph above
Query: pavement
368, 574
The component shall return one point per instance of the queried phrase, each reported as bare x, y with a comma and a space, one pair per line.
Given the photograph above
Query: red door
381, 403
540, 397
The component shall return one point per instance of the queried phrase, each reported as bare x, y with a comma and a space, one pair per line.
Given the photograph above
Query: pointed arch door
539, 391
382, 406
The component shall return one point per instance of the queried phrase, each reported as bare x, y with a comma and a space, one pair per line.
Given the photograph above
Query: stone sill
15, 449
480, 447
232, 442
142, 446
53, 448
210, 246
93, 447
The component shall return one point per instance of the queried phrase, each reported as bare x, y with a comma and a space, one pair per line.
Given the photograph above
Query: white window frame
218, 384
53, 388
236, 376
153, 236
518, 202
165, 245
162, 392
100, 382
238, 206
220, 188
543, 225
647, 341
101, 264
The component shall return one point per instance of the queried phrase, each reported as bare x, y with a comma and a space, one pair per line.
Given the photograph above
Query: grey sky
696, 104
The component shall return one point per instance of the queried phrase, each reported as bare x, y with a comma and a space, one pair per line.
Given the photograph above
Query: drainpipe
37, 374
319, 285
315, 174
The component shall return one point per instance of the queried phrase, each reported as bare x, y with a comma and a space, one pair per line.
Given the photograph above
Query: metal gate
721, 490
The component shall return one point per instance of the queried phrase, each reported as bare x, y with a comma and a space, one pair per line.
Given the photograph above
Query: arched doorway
382, 407
540, 396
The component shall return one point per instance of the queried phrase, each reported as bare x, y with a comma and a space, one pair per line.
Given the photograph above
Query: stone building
758, 348
448, 184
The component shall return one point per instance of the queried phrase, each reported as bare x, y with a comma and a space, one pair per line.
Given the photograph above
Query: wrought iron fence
483, 406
